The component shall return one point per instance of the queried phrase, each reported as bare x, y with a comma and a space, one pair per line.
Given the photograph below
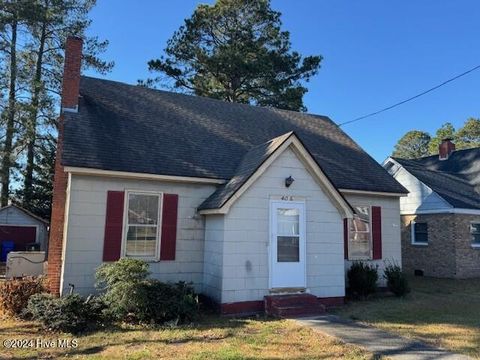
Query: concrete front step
293, 305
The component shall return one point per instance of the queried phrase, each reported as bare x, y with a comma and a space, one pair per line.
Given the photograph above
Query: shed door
287, 244
20, 235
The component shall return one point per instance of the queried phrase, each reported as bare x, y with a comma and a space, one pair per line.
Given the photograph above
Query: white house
243, 201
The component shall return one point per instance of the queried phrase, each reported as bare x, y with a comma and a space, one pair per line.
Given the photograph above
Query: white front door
287, 244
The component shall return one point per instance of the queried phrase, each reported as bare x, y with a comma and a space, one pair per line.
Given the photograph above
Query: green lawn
442, 312
211, 338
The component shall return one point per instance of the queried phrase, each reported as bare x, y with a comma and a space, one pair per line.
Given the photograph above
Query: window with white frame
419, 233
360, 234
475, 232
142, 233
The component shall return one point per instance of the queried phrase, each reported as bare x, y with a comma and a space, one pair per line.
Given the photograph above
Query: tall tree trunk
8, 148
32, 123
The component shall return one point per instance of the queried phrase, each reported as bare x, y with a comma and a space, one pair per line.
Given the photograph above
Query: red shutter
345, 238
169, 227
377, 232
112, 242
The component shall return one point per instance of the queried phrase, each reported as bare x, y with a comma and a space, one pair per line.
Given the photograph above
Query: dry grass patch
212, 338
442, 312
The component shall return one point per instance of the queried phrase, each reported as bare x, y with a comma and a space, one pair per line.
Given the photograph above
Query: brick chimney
70, 93
445, 149
71, 74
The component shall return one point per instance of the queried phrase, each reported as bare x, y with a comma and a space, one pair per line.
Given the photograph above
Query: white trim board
133, 175
66, 216
444, 211
374, 193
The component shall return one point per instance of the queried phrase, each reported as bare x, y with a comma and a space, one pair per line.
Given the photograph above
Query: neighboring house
23, 228
240, 200
441, 214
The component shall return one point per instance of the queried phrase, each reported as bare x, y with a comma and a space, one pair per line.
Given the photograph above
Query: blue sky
375, 53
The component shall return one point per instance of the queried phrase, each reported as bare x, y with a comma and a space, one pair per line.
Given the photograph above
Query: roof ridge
436, 155
270, 108
285, 135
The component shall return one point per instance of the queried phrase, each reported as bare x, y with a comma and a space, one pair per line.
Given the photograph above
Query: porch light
289, 181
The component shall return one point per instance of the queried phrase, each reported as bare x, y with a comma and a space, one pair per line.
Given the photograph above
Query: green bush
397, 282
131, 297
362, 279
121, 272
14, 294
71, 313
152, 301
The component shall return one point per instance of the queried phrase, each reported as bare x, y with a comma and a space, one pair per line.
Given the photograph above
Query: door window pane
288, 249
288, 221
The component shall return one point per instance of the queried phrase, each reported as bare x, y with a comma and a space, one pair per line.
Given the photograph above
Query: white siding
13, 216
85, 231
213, 258
391, 244
246, 237
420, 197
226, 256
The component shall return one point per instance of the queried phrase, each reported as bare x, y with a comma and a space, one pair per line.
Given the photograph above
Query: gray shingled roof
130, 128
456, 180
249, 164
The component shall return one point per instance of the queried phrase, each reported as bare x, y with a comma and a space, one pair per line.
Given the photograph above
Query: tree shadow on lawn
199, 331
16, 330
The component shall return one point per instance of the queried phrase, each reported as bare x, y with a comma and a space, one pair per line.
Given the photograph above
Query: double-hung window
360, 234
419, 233
475, 232
142, 230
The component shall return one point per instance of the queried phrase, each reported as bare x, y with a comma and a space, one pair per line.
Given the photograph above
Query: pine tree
235, 50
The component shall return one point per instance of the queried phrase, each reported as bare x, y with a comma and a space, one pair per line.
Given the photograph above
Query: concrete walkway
377, 341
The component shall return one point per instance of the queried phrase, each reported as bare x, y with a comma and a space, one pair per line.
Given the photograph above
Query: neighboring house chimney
70, 93
445, 149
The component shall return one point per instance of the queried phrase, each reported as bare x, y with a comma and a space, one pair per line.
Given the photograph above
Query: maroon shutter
345, 238
112, 242
169, 227
377, 232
